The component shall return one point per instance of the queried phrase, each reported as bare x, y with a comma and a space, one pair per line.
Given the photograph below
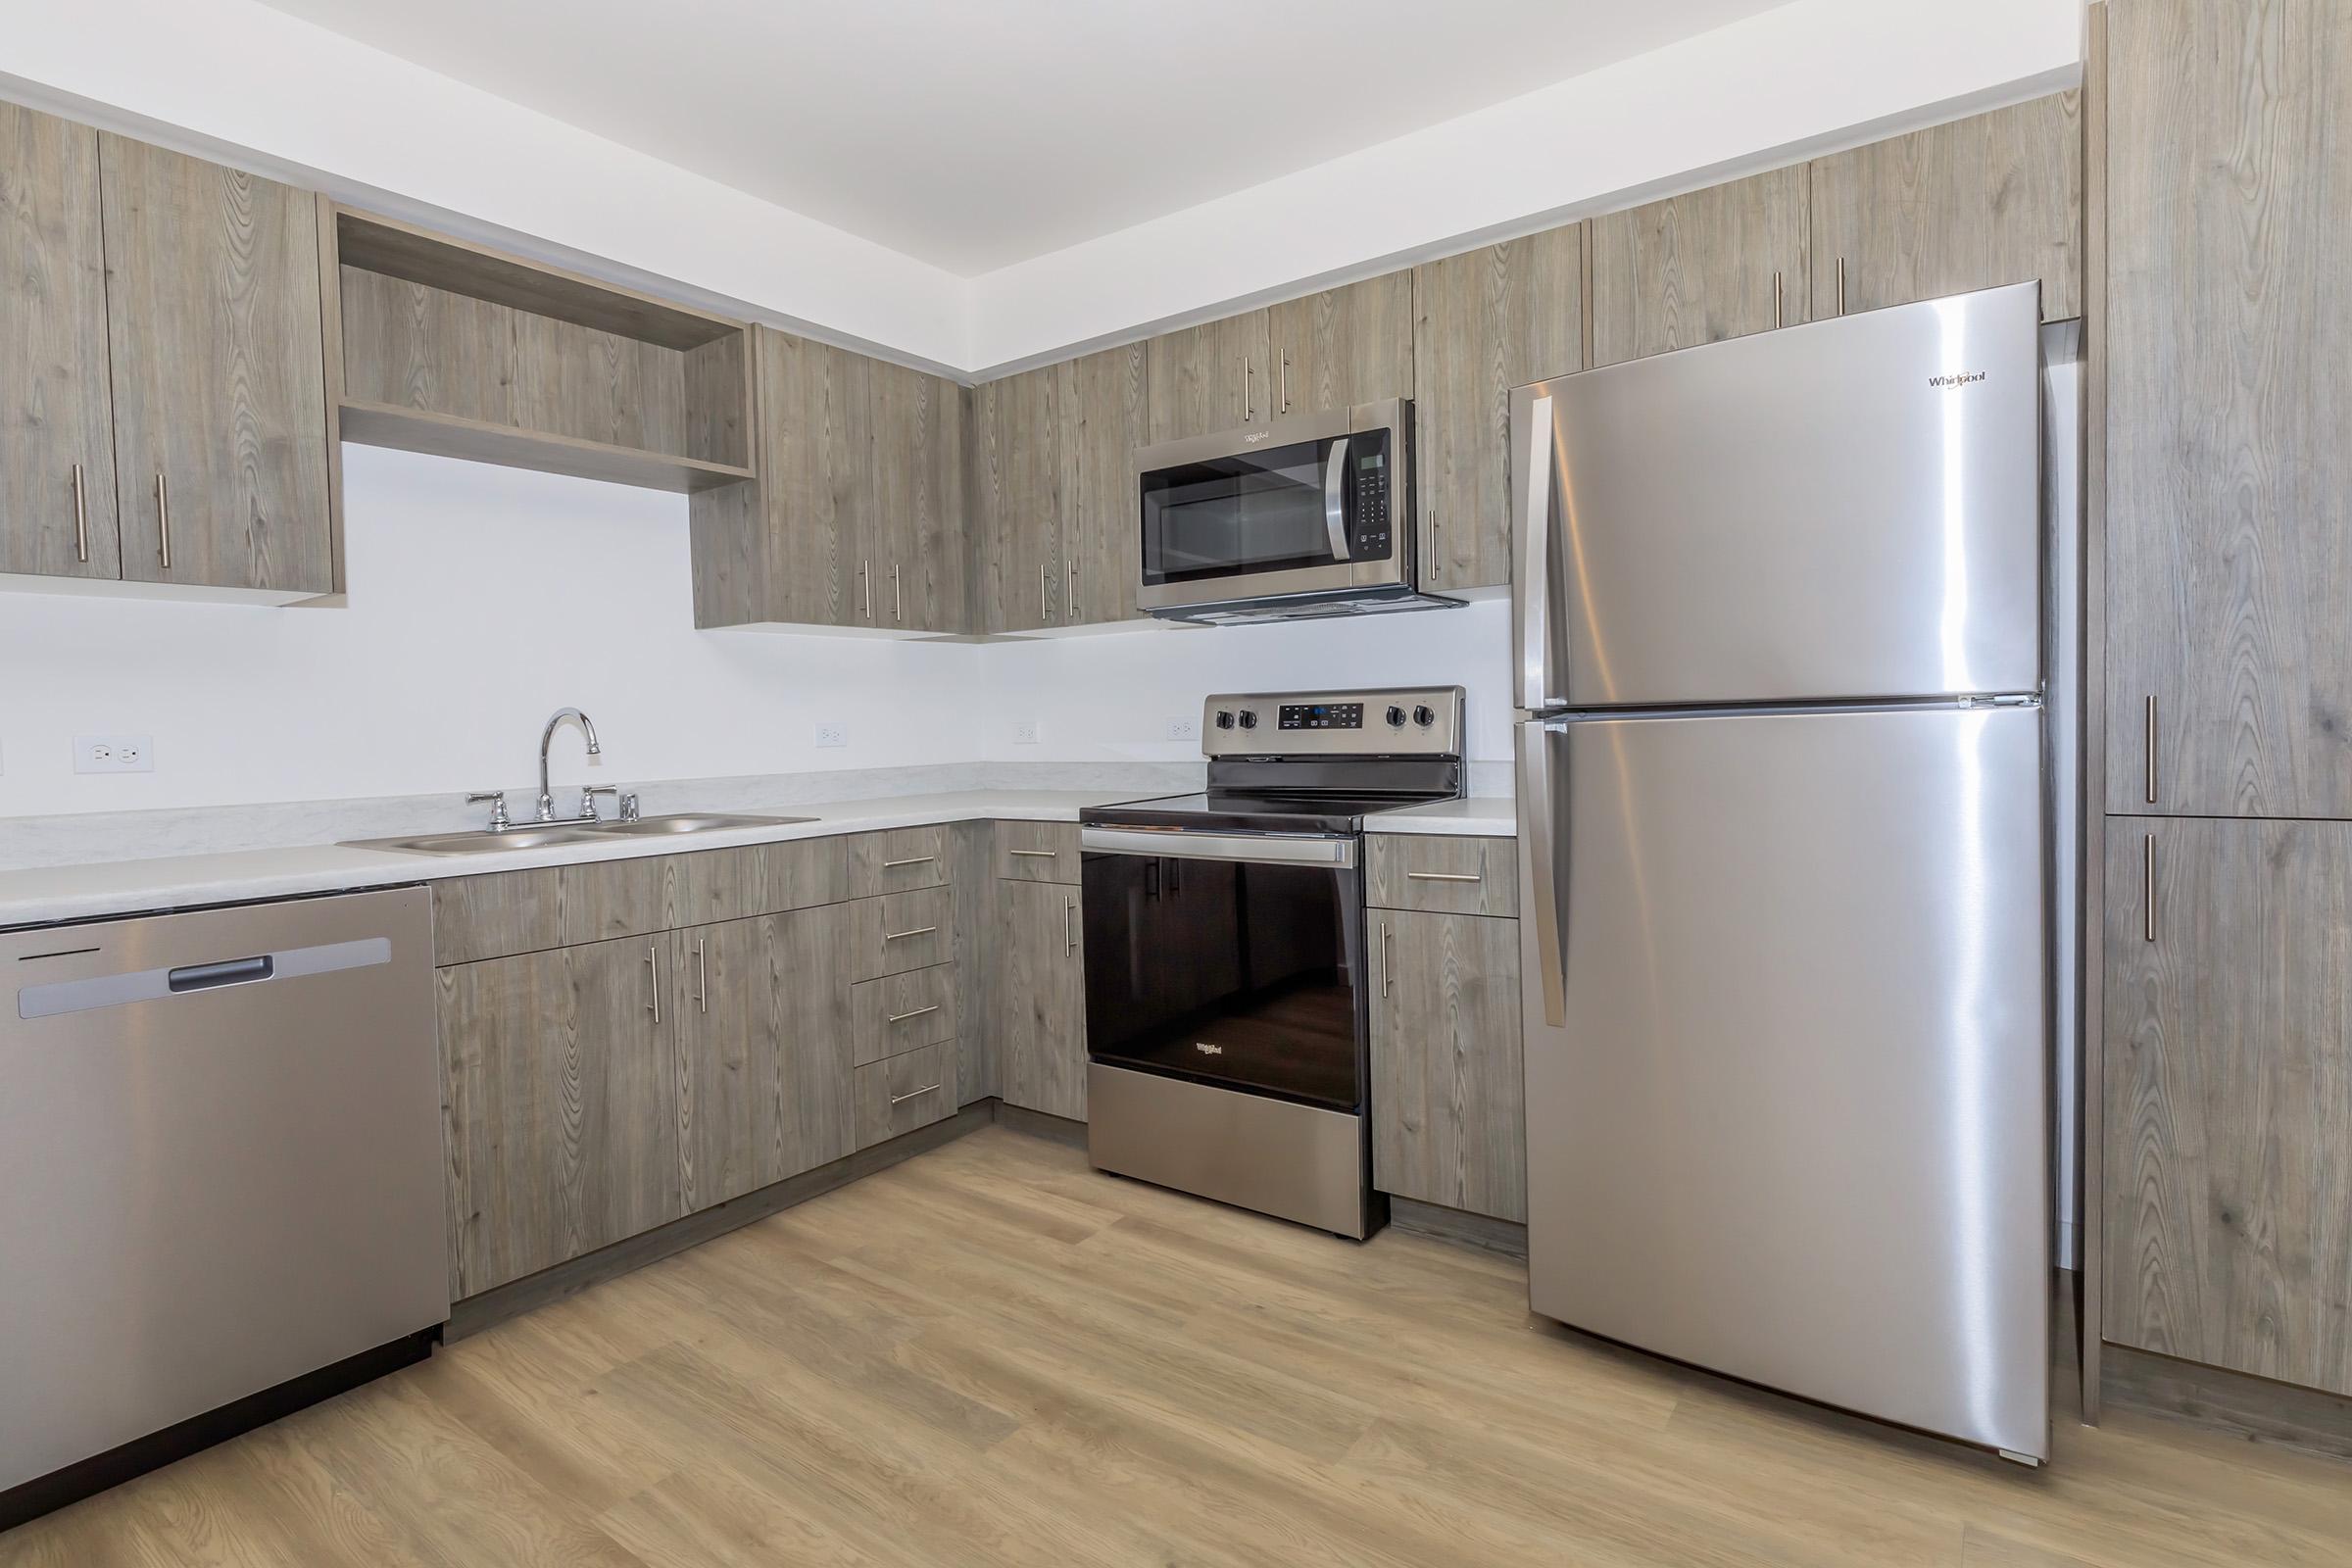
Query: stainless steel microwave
1310, 516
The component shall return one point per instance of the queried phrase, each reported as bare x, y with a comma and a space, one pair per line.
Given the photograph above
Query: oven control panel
1399, 721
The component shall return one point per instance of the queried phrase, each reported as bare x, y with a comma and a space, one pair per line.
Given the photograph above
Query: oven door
1312, 504
1229, 960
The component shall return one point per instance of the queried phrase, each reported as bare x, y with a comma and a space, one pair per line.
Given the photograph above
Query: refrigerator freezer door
1794, 1124
1846, 509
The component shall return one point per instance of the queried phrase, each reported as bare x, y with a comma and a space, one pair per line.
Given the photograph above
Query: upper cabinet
2229, 480
1016, 474
1215, 377
57, 458
1994, 199
1711, 264
1343, 347
1488, 320
913, 551
1106, 415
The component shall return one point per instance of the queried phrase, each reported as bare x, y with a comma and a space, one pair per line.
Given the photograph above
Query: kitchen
729, 1177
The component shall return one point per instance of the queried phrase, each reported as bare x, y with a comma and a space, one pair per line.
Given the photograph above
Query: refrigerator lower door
1790, 1120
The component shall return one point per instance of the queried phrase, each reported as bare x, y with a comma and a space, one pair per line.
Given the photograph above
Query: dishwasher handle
230, 972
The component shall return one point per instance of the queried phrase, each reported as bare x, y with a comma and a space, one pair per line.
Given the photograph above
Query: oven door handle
1256, 848
1335, 498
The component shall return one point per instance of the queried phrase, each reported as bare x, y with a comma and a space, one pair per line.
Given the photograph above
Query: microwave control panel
1369, 534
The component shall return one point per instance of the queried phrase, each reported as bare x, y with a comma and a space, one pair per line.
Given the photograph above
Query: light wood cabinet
560, 1106
1715, 263
2229, 478
1016, 501
217, 358
916, 550
1039, 851
1344, 346
57, 453
730, 1037
907, 1011
1449, 1105
1441, 873
1488, 320
1993, 199
1211, 377
815, 400
1105, 416
2227, 1041
905, 1092
1040, 1012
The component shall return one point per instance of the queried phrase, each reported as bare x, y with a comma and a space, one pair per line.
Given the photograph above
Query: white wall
482, 599
1113, 697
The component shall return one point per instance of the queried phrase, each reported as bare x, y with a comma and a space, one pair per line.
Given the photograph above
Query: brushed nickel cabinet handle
2147, 888
1037, 855
901, 936
866, 586
913, 860
897, 596
1444, 877
702, 977
1069, 597
1776, 300
163, 517
901, 1017
1042, 614
1069, 929
81, 519
1248, 391
918, 1094
1840, 285
1282, 385
2149, 728
653, 965
1388, 967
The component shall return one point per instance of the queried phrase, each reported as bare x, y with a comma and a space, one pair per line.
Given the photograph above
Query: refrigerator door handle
1531, 527
1539, 819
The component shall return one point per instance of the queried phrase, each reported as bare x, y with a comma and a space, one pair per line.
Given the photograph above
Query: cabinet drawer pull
866, 586
911, 860
1776, 300
2149, 736
901, 1017
2147, 888
1282, 384
163, 517
897, 597
81, 519
702, 977
1388, 967
1038, 854
901, 936
1840, 285
1069, 929
1444, 877
918, 1094
1042, 614
653, 967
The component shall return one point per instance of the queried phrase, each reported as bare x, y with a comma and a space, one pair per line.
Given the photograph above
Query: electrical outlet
114, 753
1024, 732
1184, 729
833, 732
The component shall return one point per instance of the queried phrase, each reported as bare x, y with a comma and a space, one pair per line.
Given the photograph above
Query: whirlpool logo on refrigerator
1950, 382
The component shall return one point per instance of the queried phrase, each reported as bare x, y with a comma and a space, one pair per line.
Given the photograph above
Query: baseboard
2237, 1403
1040, 1124
1458, 1226
494, 1306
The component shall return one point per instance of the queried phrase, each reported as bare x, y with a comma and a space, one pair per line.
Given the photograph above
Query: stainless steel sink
689, 822
532, 836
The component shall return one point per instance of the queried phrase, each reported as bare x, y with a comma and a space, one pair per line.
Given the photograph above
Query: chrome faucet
547, 799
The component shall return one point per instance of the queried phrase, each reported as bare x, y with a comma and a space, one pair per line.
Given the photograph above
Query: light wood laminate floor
992, 1354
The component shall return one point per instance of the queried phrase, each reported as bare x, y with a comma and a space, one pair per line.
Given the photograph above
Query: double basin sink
541, 835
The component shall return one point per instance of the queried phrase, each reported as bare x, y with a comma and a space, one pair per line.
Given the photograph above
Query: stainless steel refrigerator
1785, 871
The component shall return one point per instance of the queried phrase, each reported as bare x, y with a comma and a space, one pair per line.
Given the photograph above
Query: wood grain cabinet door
219, 367
730, 1038
1105, 416
2228, 473
561, 1105
57, 435
1487, 320
1449, 1104
816, 1036
916, 553
1016, 510
1211, 377
1993, 199
2228, 1168
1344, 346
1041, 997
1715, 263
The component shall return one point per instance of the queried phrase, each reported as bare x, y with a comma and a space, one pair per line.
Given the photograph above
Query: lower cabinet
1040, 986
561, 1105
1449, 1107
898, 1094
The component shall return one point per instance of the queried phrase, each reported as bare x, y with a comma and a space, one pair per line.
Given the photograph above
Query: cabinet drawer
1442, 874
904, 1013
1037, 851
736, 884
905, 931
897, 860
903, 1093
554, 906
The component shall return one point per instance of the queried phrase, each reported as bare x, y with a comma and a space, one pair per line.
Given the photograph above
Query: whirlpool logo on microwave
1963, 379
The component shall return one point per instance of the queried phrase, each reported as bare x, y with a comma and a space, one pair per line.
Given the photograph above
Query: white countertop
47, 894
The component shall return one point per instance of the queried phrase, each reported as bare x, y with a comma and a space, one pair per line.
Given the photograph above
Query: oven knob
1248, 720
1395, 716
1224, 719
1425, 715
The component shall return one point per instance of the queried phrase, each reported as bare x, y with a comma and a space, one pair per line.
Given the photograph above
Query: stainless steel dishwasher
220, 1177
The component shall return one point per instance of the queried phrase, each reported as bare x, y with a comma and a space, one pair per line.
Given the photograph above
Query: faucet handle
588, 795
499, 821
630, 811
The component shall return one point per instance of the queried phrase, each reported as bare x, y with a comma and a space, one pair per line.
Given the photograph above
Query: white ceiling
976, 133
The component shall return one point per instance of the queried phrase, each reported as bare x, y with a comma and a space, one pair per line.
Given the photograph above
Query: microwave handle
1335, 498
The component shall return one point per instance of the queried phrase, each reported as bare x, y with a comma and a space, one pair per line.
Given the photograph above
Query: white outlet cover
1024, 732
114, 753
833, 732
